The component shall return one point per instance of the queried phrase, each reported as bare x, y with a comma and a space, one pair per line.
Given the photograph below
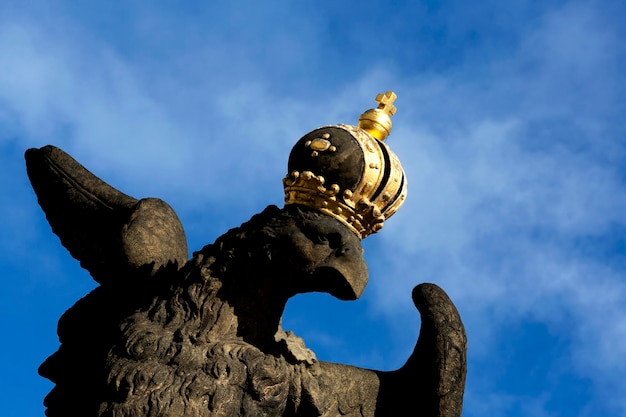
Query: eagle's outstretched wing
433, 378
109, 232
441, 351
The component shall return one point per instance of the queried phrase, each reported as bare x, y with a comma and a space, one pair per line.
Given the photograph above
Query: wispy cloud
514, 179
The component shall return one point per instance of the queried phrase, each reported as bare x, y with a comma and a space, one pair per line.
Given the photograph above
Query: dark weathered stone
106, 230
204, 339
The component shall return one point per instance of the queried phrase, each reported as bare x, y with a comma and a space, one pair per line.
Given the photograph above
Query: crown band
308, 189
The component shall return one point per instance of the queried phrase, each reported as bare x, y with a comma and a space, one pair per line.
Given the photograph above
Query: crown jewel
348, 172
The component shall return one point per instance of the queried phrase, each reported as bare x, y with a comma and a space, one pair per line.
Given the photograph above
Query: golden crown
348, 172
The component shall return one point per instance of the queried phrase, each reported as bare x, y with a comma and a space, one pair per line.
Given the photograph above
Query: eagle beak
343, 274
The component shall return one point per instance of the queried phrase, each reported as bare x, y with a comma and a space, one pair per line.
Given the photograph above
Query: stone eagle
164, 335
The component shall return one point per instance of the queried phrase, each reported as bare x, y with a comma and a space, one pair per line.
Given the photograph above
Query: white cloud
499, 206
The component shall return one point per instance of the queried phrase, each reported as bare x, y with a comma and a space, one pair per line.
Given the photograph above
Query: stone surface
163, 336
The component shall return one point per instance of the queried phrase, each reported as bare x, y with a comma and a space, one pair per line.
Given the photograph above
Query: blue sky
510, 127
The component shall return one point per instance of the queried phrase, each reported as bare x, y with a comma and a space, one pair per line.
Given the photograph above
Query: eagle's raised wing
109, 232
432, 381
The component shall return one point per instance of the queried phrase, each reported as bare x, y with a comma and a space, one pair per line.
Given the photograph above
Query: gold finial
377, 122
385, 102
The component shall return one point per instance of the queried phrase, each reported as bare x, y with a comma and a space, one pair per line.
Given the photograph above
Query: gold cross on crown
377, 122
385, 102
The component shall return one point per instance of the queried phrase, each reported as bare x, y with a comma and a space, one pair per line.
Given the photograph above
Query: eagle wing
110, 233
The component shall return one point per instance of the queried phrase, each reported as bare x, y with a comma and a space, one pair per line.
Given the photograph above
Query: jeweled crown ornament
348, 172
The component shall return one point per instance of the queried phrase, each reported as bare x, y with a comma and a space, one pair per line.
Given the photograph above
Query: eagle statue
165, 335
